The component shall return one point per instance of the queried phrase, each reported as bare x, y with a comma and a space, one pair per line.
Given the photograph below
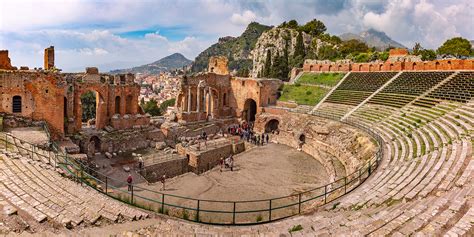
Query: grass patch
295, 228
303, 94
326, 79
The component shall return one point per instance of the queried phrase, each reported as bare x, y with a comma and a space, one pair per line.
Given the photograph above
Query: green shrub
295, 228
259, 218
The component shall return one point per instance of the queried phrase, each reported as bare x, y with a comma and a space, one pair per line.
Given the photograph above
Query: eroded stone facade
208, 96
399, 60
56, 97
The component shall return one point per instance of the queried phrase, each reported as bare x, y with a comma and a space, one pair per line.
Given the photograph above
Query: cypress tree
299, 47
268, 64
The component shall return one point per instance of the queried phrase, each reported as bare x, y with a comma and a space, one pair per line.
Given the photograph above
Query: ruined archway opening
128, 104
89, 109
271, 126
16, 104
250, 110
117, 105
94, 145
302, 138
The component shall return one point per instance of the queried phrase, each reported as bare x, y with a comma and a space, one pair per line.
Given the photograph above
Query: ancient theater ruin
386, 150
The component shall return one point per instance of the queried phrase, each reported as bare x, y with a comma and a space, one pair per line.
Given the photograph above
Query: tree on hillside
268, 64
314, 27
299, 54
353, 46
417, 49
457, 46
167, 103
151, 107
88, 102
276, 66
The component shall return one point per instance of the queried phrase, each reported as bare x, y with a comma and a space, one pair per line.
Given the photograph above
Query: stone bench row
58, 198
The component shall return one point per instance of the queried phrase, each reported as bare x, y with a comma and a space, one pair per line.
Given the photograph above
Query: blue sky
124, 33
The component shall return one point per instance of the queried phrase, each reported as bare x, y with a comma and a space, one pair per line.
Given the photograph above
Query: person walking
231, 159
163, 181
267, 138
262, 140
140, 162
221, 161
129, 181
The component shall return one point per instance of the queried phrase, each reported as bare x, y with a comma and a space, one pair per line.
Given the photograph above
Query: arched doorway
129, 104
271, 126
16, 104
89, 101
94, 145
117, 105
302, 138
250, 109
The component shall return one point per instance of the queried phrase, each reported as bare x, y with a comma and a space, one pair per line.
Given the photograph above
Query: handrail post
163, 203
270, 211
345, 184
233, 215
325, 192
299, 203
132, 195
106, 185
370, 166
197, 214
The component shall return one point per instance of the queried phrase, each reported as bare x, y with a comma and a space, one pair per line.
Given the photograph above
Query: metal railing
205, 210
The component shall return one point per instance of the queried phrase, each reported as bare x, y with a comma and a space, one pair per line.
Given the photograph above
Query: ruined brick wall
49, 58
41, 95
262, 91
218, 65
5, 60
392, 65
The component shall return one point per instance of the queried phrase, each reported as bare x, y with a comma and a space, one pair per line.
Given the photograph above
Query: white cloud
243, 19
89, 32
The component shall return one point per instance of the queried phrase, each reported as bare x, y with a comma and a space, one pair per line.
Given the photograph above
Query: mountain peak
168, 63
373, 38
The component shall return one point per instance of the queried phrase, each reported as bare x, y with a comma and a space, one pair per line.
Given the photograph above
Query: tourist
267, 138
263, 138
221, 161
163, 180
231, 161
258, 140
140, 163
129, 181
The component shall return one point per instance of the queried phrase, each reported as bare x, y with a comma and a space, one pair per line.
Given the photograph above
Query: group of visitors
227, 163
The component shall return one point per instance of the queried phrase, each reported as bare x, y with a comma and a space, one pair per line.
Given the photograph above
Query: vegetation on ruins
164, 106
325, 79
457, 46
151, 107
302, 94
236, 49
88, 105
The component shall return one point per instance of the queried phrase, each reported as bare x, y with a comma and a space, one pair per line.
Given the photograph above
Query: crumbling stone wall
218, 65
55, 97
49, 58
324, 139
207, 96
5, 60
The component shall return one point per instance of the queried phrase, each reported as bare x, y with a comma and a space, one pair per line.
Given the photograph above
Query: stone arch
128, 104
330, 67
413, 66
360, 67
380, 67
16, 104
449, 65
311, 68
302, 138
272, 125
95, 143
339, 67
250, 110
371, 68
117, 105
84, 115
320, 68
437, 65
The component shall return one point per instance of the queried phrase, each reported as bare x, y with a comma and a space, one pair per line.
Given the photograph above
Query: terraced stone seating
33, 185
406, 87
358, 86
460, 88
